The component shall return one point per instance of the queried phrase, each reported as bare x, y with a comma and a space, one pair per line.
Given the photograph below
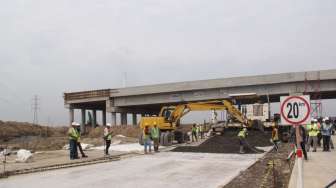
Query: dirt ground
272, 171
129, 131
17, 135
10, 130
229, 143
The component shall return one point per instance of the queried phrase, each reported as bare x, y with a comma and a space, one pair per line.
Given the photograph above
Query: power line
35, 108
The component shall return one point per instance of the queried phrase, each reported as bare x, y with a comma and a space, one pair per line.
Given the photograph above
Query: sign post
295, 110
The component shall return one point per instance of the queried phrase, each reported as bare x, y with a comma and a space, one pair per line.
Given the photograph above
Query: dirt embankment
11, 130
273, 170
229, 143
129, 131
17, 135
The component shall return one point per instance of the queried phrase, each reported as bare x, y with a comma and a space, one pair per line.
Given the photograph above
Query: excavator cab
166, 112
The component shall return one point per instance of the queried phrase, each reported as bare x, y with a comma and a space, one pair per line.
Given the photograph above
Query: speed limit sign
295, 110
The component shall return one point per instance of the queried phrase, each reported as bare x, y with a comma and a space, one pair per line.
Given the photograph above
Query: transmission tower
315, 86
35, 108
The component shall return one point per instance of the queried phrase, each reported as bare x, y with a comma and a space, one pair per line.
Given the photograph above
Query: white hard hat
75, 124
326, 119
244, 129
109, 125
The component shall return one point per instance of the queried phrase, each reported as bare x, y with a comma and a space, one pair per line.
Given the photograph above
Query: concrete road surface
318, 171
166, 169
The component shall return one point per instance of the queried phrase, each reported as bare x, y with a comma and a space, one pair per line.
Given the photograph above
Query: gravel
229, 143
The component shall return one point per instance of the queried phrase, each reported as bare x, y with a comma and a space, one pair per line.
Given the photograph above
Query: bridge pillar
104, 117
134, 118
71, 115
94, 118
123, 118
83, 120
113, 118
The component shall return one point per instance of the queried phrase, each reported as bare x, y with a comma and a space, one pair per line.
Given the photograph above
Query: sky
48, 47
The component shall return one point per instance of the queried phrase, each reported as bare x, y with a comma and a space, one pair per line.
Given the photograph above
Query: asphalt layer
229, 143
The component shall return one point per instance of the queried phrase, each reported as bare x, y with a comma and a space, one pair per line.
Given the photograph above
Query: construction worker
107, 137
331, 143
326, 133
312, 132
79, 143
319, 134
201, 129
194, 133
332, 133
73, 137
242, 139
155, 134
303, 134
275, 137
147, 139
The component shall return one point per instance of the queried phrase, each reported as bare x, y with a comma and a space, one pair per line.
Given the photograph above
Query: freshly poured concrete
159, 170
318, 171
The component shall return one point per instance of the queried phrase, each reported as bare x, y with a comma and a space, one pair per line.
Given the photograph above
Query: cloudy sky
48, 47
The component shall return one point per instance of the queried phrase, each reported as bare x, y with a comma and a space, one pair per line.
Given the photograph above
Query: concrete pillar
71, 115
123, 118
94, 118
113, 118
104, 117
83, 120
134, 118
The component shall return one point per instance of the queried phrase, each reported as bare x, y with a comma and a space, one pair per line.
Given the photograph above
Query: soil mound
229, 143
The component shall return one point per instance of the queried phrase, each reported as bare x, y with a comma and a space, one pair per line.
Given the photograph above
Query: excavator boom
182, 110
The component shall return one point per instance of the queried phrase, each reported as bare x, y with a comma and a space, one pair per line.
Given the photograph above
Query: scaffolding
314, 85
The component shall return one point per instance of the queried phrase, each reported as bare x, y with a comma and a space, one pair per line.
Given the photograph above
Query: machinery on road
170, 116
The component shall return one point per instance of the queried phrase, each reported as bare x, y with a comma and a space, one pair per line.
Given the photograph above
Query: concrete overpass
149, 99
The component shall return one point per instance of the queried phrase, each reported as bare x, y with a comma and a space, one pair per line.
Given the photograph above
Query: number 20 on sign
295, 110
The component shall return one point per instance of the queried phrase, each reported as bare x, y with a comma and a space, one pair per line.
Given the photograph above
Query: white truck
258, 113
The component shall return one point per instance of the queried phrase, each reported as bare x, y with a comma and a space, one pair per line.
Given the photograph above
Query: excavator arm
237, 114
183, 109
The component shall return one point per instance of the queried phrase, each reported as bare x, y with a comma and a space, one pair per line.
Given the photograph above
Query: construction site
167, 94
214, 157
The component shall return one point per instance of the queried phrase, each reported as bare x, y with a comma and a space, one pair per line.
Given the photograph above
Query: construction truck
169, 118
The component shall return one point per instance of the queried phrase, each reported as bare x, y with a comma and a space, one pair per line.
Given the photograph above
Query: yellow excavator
170, 116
